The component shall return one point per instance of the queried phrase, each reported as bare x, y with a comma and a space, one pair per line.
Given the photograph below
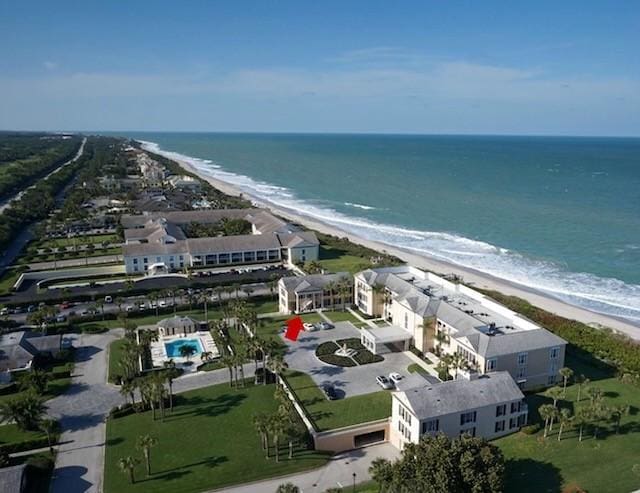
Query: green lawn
338, 316
605, 464
209, 442
78, 240
416, 368
12, 434
115, 355
328, 415
336, 260
8, 279
55, 386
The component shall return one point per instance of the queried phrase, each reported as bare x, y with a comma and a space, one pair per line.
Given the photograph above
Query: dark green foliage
332, 359
531, 429
437, 464
326, 348
347, 247
365, 357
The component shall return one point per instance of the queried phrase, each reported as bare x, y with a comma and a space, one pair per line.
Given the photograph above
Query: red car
64, 305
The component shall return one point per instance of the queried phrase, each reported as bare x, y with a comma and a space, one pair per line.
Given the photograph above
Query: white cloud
49, 65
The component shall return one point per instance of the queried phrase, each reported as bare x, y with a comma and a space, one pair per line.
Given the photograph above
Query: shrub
365, 357
34, 443
352, 343
530, 429
326, 348
122, 411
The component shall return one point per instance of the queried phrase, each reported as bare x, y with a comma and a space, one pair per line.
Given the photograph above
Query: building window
135, 268
145, 260
554, 353
515, 407
492, 364
470, 432
158, 259
513, 423
522, 373
406, 321
501, 410
431, 426
469, 417
135, 261
499, 426
522, 359
551, 380
522, 420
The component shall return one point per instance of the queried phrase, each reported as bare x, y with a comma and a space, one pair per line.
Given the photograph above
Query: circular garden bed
326, 353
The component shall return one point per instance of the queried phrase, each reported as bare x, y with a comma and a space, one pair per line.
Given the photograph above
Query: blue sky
512, 67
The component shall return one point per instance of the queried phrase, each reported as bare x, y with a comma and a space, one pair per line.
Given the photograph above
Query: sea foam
604, 295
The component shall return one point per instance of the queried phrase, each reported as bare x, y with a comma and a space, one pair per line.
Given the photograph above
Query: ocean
559, 215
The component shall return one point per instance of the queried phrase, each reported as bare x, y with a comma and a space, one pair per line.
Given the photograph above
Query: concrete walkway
82, 410
338, 473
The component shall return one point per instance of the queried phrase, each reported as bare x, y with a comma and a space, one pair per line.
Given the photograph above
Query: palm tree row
128, 464
591, 414
282, 424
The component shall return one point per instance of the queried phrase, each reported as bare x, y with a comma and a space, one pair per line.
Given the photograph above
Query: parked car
108, 299
326, 325
142, 306
31, 308
384, 382
309, 327
330, 392
395, 377
130, 308
61, 318
64, 305
162, 303
4, 311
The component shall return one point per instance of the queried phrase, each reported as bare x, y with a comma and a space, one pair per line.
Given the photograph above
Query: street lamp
354, 482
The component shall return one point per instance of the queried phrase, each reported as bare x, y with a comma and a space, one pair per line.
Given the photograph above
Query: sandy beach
474, 278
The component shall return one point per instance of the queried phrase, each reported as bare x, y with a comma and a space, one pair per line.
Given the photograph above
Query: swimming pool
173, 347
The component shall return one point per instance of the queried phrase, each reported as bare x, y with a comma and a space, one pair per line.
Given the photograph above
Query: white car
384, 382
309, 327
162, 303
395, 377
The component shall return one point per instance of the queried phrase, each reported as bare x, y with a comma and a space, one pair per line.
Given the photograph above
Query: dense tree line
34, 157
225, 227
37, 203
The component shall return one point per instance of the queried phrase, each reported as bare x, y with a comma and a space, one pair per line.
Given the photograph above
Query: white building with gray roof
299, 294
489, 406
157, 243
447, 318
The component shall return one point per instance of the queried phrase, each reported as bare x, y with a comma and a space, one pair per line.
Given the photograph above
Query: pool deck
159, 350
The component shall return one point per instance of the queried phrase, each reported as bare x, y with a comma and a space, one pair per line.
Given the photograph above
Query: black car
330, 392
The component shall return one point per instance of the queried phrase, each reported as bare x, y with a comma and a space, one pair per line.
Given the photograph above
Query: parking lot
347, 381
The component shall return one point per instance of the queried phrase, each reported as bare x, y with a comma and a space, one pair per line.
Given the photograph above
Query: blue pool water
173, 347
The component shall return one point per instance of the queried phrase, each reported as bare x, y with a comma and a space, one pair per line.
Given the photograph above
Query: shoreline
470, 276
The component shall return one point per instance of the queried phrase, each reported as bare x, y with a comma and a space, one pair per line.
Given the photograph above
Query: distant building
18, 350
447, 318
489, 406
177, 325
158, 240
298, 294
184, 182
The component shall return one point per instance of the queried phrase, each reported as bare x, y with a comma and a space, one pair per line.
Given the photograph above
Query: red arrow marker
294, 326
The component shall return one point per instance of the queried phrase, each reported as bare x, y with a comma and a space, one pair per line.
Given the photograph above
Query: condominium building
489, 406
298, 294
157, 242
447, 318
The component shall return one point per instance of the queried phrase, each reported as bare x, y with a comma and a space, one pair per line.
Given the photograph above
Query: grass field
337, 260
338, 316
328, 415
77, 241
605, 464
12, 434
8, 279
208, 442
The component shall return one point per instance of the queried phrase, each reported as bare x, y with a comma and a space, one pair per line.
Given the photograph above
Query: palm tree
582, 381
49, 426
229, 362
145, 443
546, 412
344, 289
25, 410
127, 389
564, 419
128, 465
261, 424
381, 472
566, 373
595, 394
617, 412
288, 488
159, 391
36, 380
581, 419
171, 373
276, 426
555, 393
276, 365
187, 351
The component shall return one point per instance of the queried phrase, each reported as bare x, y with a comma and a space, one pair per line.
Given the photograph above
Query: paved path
82, 411
337, 473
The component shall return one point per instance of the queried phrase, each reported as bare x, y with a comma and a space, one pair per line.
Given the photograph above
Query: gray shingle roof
12, 479
176, 321
457, 396
314, 282
17, 349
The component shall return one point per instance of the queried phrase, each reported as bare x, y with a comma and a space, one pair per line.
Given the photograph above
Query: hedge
326, 348
365, 357
35, 443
